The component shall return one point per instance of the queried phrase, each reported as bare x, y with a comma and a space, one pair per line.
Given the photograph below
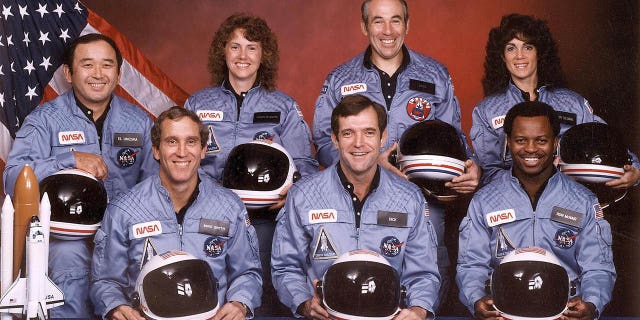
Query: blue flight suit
318, 223
46, 141
146, 212
566, 220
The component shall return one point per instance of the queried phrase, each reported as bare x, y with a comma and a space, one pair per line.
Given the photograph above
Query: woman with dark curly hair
522, 64
244, 105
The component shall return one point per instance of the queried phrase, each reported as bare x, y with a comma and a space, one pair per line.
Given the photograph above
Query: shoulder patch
353, 88
146, 229
323, 216
497, 122
500, 217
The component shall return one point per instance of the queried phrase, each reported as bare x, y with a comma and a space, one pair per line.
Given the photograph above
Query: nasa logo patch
263, 135
390, 246
213, 246
418, 108
127, 157
565, 238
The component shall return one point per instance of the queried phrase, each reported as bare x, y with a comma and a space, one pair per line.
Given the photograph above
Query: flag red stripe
135, 58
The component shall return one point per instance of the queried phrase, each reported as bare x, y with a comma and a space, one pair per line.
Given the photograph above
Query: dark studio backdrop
598, 43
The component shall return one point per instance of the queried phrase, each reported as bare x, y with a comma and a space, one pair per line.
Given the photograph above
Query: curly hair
254, 29
530, 30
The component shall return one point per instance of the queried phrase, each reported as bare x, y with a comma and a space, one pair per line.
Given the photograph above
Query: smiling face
386, 29
521, 59
179, 152
532, 144
358, 143
243, 58
95, 74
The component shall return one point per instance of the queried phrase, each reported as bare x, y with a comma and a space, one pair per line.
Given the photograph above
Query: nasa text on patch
566, 216
422, 86
392, 219
568, 118
353, 88
146, 229
497, 122
214, 227
71, 137
127, 139
499, 217
266, 117
210, 115
323, 216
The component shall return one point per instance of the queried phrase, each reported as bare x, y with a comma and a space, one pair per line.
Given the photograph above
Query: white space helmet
431, 153
593, 153
529, 284
258, 171
78, 201
361, 285
176, 285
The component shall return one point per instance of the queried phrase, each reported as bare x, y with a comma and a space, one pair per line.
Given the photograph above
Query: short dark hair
365, 6
176, 113
70, 51
531, 109
354, 104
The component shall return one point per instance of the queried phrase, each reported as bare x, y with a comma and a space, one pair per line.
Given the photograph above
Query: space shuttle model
24, 252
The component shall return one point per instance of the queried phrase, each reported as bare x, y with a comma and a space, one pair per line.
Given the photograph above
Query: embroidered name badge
392, 219
323, 216
210, 115
146, 229
422, 86
214, 227
71, 137
568, 118
500, 217
266, 117
127, 139
353, 88
566, 216
497, 122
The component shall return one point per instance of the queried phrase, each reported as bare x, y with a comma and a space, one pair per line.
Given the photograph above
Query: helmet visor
181, 289
530, 289
255, 167
361, 288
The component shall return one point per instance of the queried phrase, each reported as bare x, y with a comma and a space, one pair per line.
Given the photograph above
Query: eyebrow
92, 59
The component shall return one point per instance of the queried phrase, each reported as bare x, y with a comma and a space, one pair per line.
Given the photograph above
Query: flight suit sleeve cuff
66, 160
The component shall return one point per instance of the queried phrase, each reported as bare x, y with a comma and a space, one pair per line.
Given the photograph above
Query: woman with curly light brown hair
242, 105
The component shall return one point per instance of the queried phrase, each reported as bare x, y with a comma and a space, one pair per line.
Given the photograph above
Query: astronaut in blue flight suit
522, 64
354, 204
533, 204
91, 129
413, 88
178, 209
244, 105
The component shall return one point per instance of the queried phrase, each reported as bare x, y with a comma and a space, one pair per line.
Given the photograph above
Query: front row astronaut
177, 209
534, 205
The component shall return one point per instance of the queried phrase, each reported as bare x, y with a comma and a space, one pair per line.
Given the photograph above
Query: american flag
33, 36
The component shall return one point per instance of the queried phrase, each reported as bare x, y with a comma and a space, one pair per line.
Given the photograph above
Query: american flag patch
597, 209
247, 221
426, 210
